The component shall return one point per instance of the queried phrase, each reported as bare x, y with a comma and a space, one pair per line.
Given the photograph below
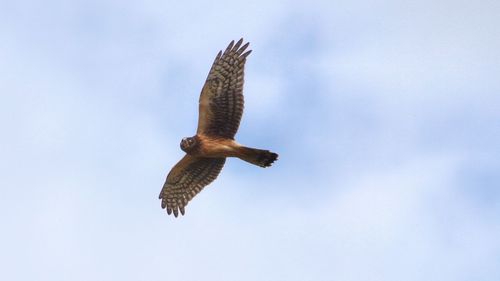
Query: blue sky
385, 115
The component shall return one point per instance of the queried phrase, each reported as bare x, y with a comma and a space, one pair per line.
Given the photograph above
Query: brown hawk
220, 110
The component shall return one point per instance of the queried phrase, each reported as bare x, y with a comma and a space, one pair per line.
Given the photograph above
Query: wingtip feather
229, 47
242, 49
245, 55
238, 44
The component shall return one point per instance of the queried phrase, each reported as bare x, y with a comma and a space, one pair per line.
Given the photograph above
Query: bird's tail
259, 157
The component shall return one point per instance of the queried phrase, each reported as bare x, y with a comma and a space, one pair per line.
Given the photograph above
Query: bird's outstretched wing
221, 99
186, 179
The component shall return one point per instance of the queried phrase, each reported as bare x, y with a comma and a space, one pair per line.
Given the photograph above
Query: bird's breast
211, 147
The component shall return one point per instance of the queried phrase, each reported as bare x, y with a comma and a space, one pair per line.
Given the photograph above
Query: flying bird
220, 109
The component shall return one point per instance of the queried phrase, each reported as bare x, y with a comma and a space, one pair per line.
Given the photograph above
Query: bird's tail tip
259, 157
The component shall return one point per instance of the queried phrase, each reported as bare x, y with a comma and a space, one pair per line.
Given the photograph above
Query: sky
385, 115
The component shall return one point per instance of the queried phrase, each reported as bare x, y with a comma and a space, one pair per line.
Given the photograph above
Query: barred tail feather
259, 157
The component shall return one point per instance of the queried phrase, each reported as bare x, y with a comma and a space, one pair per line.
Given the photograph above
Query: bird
220, 109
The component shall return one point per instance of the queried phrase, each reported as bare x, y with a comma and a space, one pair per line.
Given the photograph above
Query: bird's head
188, 144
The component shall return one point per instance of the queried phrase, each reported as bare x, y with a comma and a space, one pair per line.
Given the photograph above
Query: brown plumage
220, 109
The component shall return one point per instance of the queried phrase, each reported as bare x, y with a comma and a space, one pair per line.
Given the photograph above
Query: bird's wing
186, 179
221, 99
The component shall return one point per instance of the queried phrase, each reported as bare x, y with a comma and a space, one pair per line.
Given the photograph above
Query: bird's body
220, 110
213, 147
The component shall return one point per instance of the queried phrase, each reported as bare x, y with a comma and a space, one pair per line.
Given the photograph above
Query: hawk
220, 110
